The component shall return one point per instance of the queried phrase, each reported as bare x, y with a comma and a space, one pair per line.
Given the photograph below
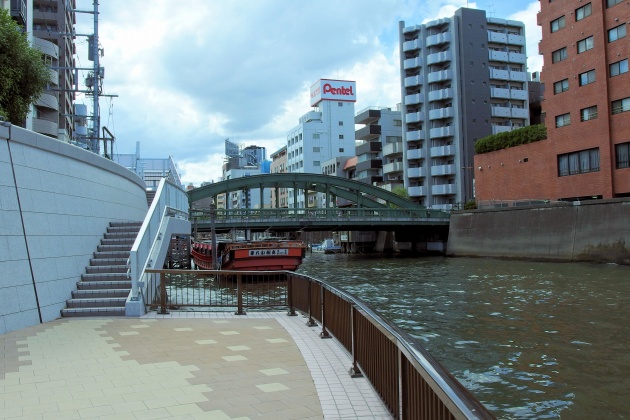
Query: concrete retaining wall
56, 201
597, 230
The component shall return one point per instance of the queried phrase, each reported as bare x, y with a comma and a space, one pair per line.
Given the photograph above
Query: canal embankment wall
56, 201
597, 230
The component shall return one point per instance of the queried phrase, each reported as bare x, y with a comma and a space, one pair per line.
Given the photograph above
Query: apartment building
462, 78
325, 132
379, 147
279, 196
587, 96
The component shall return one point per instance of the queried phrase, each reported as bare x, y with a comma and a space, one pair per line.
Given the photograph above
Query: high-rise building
53, 22
462, 78
586, 75
323, 133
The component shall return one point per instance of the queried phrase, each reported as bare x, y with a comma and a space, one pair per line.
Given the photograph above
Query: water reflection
532, 340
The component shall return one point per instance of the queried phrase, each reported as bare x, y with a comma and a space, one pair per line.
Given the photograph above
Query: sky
191, 75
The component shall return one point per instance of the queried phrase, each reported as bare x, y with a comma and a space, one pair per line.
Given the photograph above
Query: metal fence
411, 383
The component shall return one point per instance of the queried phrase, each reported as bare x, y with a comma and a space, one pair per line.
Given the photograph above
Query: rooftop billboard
333, 90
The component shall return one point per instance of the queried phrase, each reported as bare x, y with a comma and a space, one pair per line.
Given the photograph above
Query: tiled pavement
183, 365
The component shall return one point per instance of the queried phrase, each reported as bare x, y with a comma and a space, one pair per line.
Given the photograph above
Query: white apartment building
325, 132
462, 78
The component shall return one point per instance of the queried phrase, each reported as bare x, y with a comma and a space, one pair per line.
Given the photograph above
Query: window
619, 67
583, 12
316, 149
589, 113
340, 123
561, 86
559, 55
616, 33
623, 155
587, 77
340, 103
316, 163
585, 45
397, 123
340, 136
581, 162
563, 120
341, 150
557, 24
621, 105
315, 136
611, 3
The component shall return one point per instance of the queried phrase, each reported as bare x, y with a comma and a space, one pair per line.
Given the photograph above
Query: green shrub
507, 139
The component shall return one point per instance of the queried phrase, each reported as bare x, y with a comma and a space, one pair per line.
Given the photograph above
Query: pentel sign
333, 90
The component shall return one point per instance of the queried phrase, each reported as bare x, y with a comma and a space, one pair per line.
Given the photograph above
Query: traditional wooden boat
263, 255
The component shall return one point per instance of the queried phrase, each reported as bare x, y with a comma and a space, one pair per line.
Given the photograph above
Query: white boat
327, 247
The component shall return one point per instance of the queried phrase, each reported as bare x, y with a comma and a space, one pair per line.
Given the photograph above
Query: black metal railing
411, 383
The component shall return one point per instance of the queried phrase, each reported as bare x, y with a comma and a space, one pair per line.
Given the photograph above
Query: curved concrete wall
595, 230
56, 201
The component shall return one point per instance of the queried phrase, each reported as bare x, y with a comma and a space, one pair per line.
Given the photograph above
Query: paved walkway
187, 365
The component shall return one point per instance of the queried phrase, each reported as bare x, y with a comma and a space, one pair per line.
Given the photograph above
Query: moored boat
327, 247
264, 255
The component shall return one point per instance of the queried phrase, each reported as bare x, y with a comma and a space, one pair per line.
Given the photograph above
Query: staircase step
114, 248
105, 277
100, 293
122, 229
96, 269
78, 312
111, 254
97, 302
98, 262
120, 235
103, 284
118, 241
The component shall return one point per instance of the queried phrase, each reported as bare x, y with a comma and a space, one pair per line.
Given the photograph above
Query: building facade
462, 78
587, 96
279, 196
325, 132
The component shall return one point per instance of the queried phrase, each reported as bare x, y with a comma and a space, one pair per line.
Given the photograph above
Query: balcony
441, 113
520, 113
416, 98
48, 100
445, 189
443, 38
19, 12
412, 63
417, 191
367, 116
414, 154
498, 55
497, 37
392, 167
393, 149
518, 76
499, 74
516, 39
369, 164
414, 117
440, 76
441, 151
519, 94
500, 93
415, 135
501, 111
414, 44
369, 147
517, 58
413, 81
439, 132
45, 127
369, 132
417, 172
440, 95
440, 57
496, 129
442, 170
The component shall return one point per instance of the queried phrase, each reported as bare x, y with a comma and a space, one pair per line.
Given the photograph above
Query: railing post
163, 297
324, 333
239, 295
290, 295
354, 370
311, 322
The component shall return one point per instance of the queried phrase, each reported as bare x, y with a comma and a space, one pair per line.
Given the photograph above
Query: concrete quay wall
597, 231
56, 201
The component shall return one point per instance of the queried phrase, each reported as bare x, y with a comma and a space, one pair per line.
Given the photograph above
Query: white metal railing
169, 201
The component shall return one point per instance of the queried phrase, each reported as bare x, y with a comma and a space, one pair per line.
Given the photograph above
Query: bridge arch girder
354, 191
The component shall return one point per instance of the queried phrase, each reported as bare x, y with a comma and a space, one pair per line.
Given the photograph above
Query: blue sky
189, 76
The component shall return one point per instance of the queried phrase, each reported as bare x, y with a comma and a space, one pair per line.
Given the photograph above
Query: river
529, 339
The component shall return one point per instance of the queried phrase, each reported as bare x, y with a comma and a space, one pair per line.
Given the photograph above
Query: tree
23, 74
400, 191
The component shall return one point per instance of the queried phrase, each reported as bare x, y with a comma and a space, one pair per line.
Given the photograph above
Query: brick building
587, 94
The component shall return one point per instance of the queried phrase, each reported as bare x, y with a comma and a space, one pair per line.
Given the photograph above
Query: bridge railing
226, 215
411, 383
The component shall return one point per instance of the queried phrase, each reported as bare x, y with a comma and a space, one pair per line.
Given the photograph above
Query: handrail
170, 200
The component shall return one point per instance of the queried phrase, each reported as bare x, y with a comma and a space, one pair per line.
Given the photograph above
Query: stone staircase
105, 286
